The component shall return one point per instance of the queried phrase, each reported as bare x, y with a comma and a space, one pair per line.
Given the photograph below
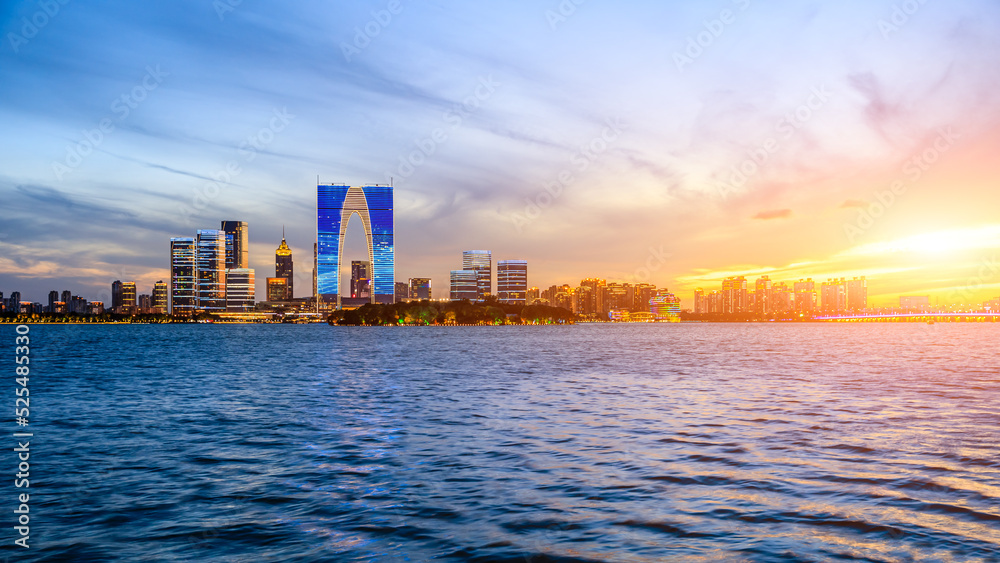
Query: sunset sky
684, 141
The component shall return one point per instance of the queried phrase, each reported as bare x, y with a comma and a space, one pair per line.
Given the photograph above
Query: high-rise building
360, 280
699, 301
402, 292
512, 281
805, 296
14, 302
67, 296
857, 294
420, 288
53, 297
481, 262
336, 204
781, 298
283, 264
210, 271
532, 295
464, 285
116, 295
144, 302
834, 296
161, 292
735, 298
277, 289
762, 296
129, 302
237, 244
239, 290
183, 282
315, 292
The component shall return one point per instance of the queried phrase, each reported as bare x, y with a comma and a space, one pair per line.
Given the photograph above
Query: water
691, 442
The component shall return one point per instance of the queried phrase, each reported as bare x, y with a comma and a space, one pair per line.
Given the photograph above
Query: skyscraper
834, 295
14, 302
129, 303
360, 278
237, 244
53, 298
805, 295
464, 285
402, 292
283, 264
481, 262
116, 295
210, 271
183, 266
239, 290
512, 281
67, 297
161, 292
420, 288
857, 294
335, 206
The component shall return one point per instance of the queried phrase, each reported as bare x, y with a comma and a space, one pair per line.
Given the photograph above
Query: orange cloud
774, 214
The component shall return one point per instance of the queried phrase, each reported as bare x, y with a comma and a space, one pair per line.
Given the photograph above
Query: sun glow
941, 243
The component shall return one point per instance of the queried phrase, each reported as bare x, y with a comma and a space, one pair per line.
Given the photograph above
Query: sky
673, 143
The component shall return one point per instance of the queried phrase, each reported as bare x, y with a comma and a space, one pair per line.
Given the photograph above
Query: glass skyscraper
464, 285
183, 264
480, 261
237, 244
512, 281
210, 271
335, 206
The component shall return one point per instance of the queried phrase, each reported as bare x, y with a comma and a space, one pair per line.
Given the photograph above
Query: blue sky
643, 109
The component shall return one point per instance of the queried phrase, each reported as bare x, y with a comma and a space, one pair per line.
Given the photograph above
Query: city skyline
738, 155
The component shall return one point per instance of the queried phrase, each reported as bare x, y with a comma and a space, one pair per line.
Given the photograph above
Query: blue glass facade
335, 206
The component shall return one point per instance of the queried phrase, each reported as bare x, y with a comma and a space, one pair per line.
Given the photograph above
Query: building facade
183, 264
240, 290
420, 288
481, 262
512, 281
464, 285
336, 205
237, 244
210, 271
283, 267
277, 289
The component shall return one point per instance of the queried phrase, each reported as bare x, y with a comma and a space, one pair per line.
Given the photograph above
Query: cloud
774, 214
853, 203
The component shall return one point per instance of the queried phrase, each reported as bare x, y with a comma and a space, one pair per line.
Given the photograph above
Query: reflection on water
691, 442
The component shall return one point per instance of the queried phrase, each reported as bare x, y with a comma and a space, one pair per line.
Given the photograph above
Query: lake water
644, 443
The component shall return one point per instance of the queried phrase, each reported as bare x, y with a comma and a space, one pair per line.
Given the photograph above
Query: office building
857, 294
237, 244
420, 288
14, 302
53, 298
481, 262
833, 296
210, 271
336, 205
183, 283
277, 289
360, 280
464, 285
402, 292
512, 281
161, 296
239, 290
283, 264
144, 303
67, 296
116, 295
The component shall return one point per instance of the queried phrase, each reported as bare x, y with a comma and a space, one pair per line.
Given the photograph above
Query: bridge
916, 317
